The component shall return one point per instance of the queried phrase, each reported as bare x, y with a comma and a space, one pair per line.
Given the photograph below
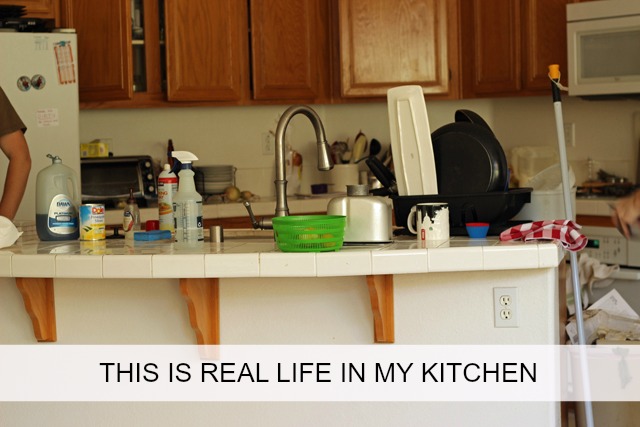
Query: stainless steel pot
368, 217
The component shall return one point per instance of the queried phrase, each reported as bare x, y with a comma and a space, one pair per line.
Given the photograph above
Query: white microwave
609, 246
603, 43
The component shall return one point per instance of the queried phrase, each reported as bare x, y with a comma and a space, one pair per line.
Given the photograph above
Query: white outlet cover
505, 307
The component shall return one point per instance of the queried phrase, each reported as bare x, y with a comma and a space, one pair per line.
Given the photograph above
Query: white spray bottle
187, 203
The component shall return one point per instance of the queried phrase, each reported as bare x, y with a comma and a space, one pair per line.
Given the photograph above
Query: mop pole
554, 75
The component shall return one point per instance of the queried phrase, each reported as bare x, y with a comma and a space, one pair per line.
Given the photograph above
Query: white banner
318, 373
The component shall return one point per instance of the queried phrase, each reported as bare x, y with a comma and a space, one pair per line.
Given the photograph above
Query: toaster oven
107, 180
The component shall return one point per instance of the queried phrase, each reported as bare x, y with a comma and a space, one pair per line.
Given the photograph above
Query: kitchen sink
244, 234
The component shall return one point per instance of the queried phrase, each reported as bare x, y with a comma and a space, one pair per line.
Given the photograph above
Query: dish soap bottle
131, 217
167, 188
57, 201
187, 203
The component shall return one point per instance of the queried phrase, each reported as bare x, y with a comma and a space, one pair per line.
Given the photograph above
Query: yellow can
92, 222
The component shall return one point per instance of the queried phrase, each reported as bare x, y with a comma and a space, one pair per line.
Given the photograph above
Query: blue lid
152, 235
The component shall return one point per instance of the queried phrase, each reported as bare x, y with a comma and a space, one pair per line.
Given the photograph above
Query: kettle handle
384, 175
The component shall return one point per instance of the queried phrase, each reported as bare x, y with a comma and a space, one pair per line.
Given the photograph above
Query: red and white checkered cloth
561, 230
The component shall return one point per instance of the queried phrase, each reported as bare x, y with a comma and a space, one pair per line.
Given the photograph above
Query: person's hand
626, 212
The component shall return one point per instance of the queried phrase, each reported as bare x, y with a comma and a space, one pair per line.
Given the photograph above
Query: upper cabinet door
289, 48
490, 46
104, 48
508, 45
207, 50
384, 44
545, 41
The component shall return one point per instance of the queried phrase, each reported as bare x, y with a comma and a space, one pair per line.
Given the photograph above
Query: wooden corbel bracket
381, 295
39, 302
203, 301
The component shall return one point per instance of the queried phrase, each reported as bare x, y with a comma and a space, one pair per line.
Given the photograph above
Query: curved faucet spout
324, 158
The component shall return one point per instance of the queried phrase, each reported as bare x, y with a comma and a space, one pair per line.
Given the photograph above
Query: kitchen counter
253, 253
250, 254
245, 291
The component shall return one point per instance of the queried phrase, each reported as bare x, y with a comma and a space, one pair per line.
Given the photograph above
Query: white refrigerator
39, 74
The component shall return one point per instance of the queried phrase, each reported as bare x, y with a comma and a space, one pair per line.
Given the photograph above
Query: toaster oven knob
149, 177
147, 164
151, 189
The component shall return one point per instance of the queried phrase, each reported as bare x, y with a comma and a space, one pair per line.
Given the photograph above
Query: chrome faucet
324, 160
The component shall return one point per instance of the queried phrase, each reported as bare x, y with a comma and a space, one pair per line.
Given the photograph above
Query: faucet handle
263, 224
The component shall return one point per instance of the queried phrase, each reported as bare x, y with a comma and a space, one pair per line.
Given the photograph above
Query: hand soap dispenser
368, 217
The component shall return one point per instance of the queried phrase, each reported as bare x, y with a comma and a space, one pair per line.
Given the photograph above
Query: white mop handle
564, 163
575, 275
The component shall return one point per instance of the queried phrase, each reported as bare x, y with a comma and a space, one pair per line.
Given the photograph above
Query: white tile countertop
256, 255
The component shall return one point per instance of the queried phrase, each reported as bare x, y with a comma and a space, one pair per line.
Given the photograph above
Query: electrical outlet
505, 307
570, 134
268, 143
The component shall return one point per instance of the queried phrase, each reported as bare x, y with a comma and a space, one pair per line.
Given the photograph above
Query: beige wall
605, 132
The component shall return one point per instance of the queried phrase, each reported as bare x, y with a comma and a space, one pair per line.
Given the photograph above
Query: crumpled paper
600, 324
8, 232
592, 273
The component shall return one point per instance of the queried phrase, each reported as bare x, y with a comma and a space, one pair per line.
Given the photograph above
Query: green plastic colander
309, 233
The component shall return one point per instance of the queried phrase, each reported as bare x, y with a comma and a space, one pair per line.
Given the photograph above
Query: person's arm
626, 212
15, 147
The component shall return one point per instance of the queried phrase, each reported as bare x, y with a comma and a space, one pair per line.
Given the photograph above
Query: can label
167, 188
92, 222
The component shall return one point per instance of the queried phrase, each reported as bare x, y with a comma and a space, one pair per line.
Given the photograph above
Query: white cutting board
411, 147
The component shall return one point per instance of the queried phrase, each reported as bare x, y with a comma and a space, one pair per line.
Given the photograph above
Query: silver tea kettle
368, 217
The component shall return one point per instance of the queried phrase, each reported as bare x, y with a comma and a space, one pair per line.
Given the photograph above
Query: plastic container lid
152, 235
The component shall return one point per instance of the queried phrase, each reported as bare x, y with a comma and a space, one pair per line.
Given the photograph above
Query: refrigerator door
39, 75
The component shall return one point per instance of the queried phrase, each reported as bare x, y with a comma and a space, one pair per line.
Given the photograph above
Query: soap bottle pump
131, 217
187, 203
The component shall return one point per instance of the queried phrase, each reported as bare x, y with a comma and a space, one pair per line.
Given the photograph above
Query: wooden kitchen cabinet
229, 223
290, 50
197, 52
207, 50
507, 45
192, 54
385, 44
47, 9
104, 48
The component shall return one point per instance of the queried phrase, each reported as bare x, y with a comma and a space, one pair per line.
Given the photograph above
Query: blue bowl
477, 230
